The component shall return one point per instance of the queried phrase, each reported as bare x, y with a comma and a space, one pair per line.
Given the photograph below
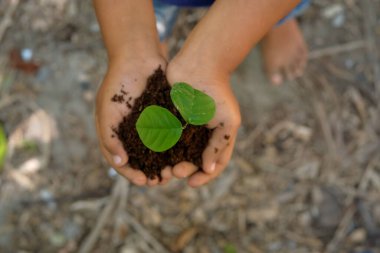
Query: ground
305, 175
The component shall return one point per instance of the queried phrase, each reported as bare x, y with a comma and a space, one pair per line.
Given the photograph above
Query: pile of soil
189, 148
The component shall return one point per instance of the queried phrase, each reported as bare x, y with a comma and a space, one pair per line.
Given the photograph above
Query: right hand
225, 123
129, 74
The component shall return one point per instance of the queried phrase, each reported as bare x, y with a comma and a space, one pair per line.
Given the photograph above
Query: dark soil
190, 146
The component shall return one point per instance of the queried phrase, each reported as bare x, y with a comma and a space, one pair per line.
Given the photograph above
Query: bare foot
284, 53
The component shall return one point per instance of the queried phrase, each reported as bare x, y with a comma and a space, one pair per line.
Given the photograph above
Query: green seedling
159, 130
3, 146
230, 248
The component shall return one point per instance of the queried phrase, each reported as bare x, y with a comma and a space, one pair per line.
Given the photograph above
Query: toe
299, 70
289, 73
276, 78
300, 66
296, 71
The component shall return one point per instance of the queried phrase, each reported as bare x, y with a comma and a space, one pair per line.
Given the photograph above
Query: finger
114, 147
153, 182
115, 154
200, 178
220, 139
166, 175
164, 181
116, 161
225, 157
108, 157
136, 177
184, 169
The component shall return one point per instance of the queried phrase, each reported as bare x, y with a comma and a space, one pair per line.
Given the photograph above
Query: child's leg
166, 15
284, 49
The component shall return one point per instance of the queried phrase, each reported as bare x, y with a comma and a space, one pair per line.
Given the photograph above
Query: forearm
128, 27
230, 29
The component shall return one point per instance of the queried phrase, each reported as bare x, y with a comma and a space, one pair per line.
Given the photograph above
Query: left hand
127, 73
225, 122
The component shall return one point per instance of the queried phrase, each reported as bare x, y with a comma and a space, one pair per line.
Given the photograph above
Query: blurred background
305, 176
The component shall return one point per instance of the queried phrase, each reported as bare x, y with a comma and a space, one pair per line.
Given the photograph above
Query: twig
359, 104
221, 186
118, 200
38, 115
243, 164
369, 25
8, 100
326, 128
350, 46
368, 221
338, 72
120, 222
341, 231
7, 18
145, 234
90, 241
246, 142
312, 242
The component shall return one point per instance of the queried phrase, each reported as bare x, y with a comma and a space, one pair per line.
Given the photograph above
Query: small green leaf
196, 107
3, 146
158, 128
230, 248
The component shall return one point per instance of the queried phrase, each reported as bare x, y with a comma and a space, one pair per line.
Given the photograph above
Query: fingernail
117, 160
212, 167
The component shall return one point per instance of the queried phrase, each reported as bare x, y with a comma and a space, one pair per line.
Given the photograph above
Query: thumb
116, 153
111, 147
217, 144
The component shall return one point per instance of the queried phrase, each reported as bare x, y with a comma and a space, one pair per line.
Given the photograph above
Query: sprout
159, 130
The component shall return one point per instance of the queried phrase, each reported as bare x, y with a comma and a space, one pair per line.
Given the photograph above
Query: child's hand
226, 120
130, 75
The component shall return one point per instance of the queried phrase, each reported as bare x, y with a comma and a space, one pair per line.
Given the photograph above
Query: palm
225, 124
129, 81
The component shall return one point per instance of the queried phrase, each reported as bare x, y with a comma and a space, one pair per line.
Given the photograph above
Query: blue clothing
296, 11
200, 3
166, 15
189, 3
167, 11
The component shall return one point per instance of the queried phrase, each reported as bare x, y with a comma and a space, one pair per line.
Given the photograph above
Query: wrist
186, 67
133, 50
128, 57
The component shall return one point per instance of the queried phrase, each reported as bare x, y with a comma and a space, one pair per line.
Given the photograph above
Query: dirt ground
305, 175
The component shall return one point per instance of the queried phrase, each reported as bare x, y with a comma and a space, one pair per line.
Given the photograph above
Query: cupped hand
225, 122
128, 75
